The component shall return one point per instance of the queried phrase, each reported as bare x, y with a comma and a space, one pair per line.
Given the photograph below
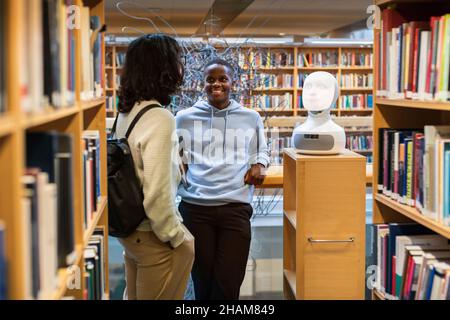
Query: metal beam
220, 15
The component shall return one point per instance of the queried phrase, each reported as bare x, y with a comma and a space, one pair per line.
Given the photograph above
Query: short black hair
222, 63
153, 69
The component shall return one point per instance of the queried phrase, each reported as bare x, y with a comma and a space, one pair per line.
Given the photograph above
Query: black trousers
222, 242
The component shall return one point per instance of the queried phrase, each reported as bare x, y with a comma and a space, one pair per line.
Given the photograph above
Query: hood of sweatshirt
212, 112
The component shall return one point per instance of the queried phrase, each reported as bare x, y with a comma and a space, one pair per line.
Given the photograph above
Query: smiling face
218, 84
319, 91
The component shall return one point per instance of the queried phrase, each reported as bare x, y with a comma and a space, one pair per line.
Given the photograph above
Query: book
51, 152
395, 230
95, 266
91, 171
412, 168
423, 241
414, 59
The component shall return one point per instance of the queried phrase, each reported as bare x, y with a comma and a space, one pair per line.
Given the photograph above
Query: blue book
430, 283
3, 270
447, 187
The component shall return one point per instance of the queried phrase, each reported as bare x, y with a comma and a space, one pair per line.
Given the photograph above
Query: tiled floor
264, 275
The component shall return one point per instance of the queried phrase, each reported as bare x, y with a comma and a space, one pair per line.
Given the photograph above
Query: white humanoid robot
319, 134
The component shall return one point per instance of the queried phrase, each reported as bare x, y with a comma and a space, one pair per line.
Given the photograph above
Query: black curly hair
222, 63
153, 69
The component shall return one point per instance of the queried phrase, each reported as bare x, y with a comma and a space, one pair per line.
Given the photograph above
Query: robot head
320, 91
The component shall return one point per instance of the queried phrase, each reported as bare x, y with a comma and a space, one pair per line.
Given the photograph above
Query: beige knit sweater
154, 146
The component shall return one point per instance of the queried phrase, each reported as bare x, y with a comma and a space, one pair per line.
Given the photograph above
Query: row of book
48, 206
356, 80
112, 82
276, 146
3, 63
3, 263
275, 81
414, 169
266, 59
95, 266
356, 101
91, 173
111, 103
47, 75
359, 142
414, 57
272, 101
356, 59
120, 59
318, 59
409, 262
302, 76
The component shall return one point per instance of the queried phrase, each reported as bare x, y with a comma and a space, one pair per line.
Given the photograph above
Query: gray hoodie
219, 147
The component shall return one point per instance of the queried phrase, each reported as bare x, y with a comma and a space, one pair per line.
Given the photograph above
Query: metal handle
310, 239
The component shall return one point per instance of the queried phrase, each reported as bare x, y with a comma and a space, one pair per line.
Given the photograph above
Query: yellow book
406, 64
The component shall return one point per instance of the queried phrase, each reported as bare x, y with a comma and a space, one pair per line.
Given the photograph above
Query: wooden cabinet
324, 226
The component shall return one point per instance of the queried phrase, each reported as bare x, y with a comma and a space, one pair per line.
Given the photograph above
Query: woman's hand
255, 175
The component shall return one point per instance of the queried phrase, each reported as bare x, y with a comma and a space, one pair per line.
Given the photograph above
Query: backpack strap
138, 116
113, 129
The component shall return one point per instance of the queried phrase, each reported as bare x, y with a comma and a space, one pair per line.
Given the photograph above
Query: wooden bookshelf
112, 70
403, 114
83, 115
324, 226
413, 214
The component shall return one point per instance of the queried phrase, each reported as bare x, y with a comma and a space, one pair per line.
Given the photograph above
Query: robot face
320, 91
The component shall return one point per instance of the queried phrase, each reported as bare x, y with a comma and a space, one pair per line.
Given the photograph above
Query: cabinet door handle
311, 240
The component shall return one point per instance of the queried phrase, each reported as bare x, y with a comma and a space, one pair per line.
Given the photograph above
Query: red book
404, 292
416, 59
394, 259
391, 19
413, 51
430, 55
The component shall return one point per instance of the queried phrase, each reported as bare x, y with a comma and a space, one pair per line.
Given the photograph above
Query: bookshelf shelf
414, 214
317, 68
7, 125
273, 89
415, 104
356, 68
290, 278
35, 120
94, 222
292, 217
378, 295
356, 110
356, 89
274, 110
93, 103
64, 275
275, 68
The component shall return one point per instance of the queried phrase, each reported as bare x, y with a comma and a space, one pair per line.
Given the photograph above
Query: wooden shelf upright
14, 124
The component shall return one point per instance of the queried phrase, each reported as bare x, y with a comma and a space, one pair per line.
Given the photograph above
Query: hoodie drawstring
225, 133
211, 130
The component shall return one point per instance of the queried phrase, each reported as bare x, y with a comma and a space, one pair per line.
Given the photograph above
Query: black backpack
125, 196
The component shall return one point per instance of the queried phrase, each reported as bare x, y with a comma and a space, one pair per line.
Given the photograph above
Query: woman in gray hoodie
225, 156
